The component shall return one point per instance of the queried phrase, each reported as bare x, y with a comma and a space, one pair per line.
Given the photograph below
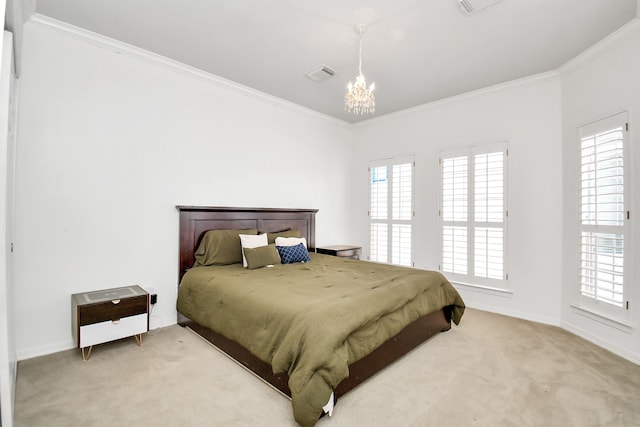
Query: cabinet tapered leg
88, 353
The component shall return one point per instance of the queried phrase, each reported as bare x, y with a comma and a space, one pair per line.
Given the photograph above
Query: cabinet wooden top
94, 297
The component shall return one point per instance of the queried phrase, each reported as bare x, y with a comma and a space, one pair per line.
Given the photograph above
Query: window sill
605, 320
482, 289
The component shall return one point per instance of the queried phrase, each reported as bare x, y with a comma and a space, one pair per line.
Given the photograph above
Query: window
391, 211
603, 216
473, 214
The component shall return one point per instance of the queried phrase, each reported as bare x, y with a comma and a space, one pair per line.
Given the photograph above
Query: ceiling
416, 51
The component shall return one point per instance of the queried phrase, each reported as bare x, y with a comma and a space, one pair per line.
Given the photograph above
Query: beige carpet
489, 371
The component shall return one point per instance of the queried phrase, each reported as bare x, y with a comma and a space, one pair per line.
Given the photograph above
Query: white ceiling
416, 51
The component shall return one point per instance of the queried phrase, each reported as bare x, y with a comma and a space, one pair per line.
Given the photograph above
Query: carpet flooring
491, 370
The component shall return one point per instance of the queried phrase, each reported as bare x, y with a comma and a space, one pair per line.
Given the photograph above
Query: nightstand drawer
112, 310
97, 333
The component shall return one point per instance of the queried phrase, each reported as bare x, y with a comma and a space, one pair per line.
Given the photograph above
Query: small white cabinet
108, 315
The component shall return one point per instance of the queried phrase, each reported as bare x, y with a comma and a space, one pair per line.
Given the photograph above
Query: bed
210, 300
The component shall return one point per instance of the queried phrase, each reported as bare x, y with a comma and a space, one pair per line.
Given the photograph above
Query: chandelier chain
360, 55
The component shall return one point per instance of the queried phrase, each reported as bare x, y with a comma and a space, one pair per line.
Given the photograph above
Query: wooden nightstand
343, 251
108, 315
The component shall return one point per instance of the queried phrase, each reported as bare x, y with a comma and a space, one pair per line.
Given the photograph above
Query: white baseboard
519, 314
44, 350
569, 327
70, 344
607, 345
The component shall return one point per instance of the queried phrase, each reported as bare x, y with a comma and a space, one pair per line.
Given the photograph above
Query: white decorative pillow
290, 241
252, 241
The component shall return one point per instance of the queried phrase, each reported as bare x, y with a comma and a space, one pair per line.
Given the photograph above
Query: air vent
469, 7
321, 73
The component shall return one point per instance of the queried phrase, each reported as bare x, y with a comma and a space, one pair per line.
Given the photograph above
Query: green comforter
312, 320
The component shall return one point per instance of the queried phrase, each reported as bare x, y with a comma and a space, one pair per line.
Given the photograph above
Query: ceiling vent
321, 73
469, 7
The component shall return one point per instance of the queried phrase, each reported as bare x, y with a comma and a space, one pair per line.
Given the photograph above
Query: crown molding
534, 79
624, 32
107, 43
628, 30
121, 48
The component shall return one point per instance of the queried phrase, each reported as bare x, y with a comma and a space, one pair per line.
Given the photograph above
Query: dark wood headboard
196, 220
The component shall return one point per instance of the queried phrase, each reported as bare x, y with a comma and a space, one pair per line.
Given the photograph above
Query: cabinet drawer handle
115, 322
115, 301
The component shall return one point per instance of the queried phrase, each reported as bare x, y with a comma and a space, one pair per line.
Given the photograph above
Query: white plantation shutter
391, 211
401, 245
454, 249
402, 214
379, 214
489, 215
603, 215
454, 212
473, 214
489, 252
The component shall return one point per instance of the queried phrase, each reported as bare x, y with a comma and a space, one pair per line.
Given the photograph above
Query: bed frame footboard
391, 350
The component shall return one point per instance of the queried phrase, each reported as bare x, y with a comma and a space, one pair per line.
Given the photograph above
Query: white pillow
290, 241
252, 241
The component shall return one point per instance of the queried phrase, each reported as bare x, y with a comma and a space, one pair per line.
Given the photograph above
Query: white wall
539, 118
8, 363
602, 82
526, 114
111, 142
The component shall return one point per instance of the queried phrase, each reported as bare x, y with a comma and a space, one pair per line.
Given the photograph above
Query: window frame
470, 278
389, 220
595, 305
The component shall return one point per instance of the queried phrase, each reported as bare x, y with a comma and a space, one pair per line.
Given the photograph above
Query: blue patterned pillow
297, 253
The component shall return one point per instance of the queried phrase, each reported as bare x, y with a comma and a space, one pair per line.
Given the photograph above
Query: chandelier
358, 99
